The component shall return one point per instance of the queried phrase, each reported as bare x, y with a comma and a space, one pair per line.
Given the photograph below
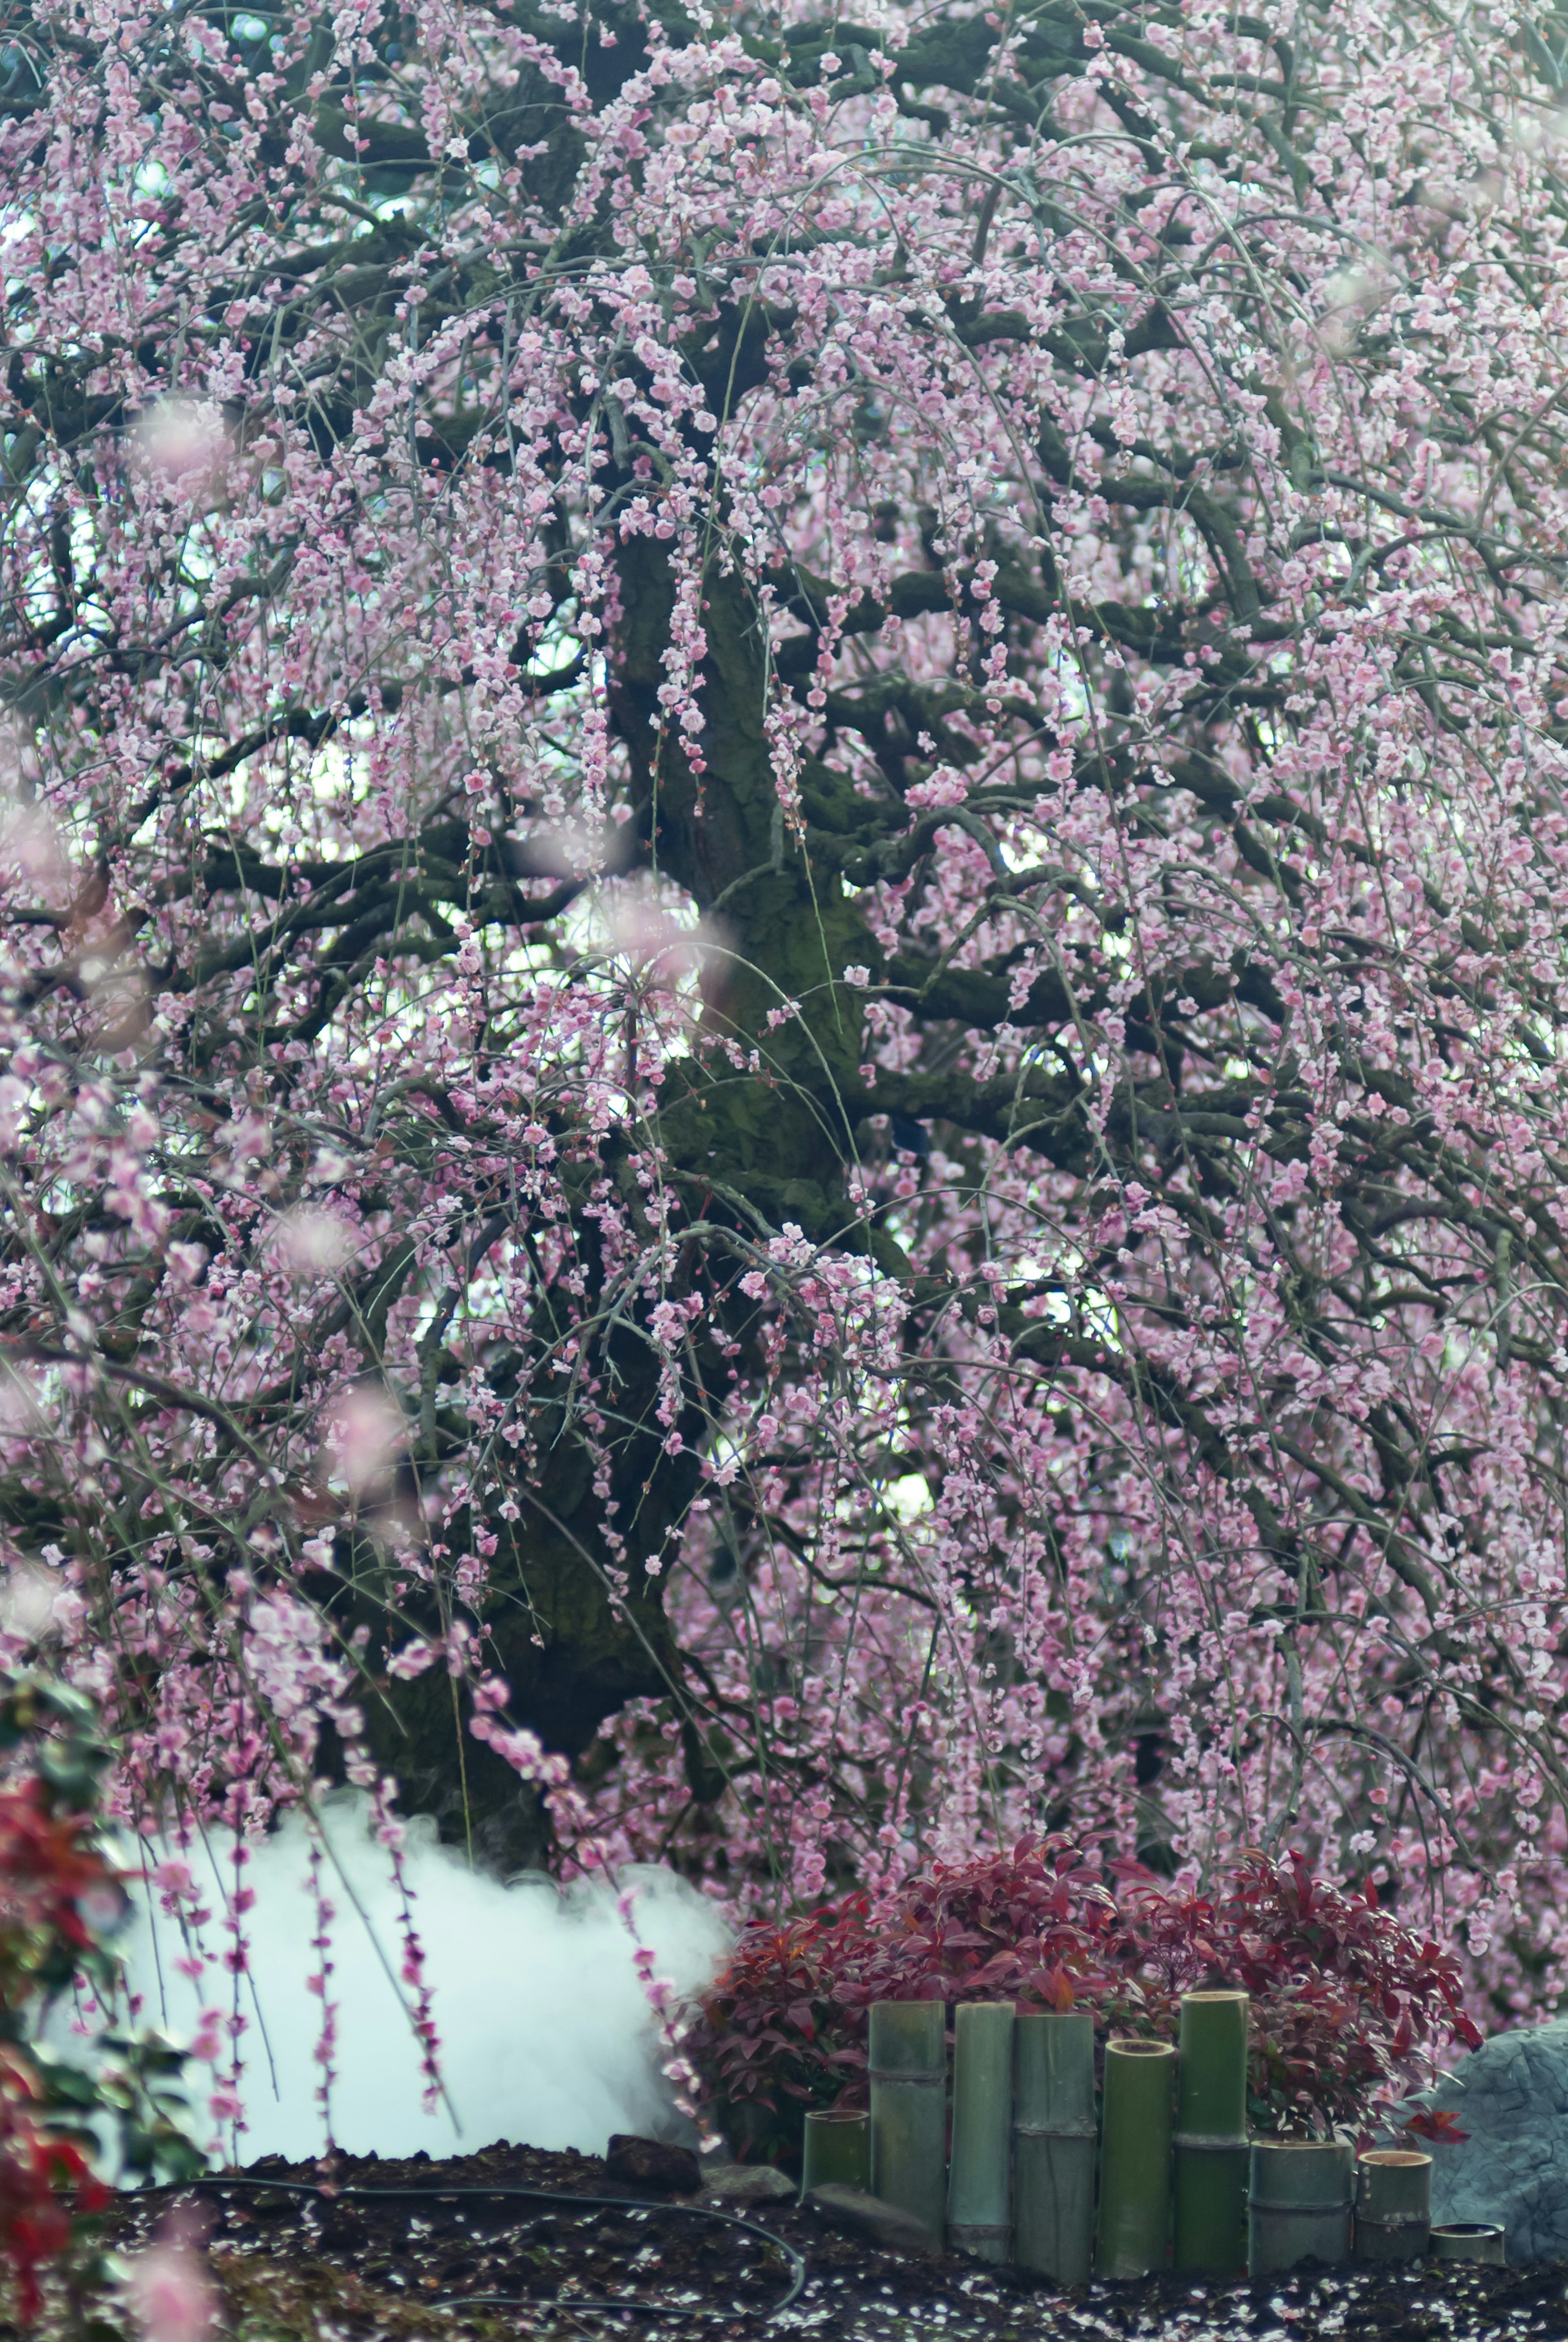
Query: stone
651, 2163
1511, 2098
746, 2183
872, 2221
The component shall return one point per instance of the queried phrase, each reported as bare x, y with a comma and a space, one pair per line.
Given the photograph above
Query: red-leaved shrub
46, 2180
1345, 2000
784, 2027
61, 1898
1347, 2003
57, 1892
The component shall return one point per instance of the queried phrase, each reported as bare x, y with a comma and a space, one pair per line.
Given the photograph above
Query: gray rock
746, 2183
872, 2220
1510, 2096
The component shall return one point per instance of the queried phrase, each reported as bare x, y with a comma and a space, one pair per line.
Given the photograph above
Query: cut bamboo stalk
837, 2150
1210, 2137
1135, 2158
1053, 2146
1298, 2205
979, 2179
1469, 2240
1393, 2205
909, 2108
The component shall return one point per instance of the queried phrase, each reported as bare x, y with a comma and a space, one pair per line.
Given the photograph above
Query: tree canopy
782, 925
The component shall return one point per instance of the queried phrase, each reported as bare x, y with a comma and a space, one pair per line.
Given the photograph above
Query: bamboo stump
980, 2180
1298, 2204
1393, 2205
1211, 2140
909, 2108
1469, 2240
1135, 2158
837, 2151
1054, 2140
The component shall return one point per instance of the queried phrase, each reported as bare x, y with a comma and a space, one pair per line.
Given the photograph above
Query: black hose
532, 2196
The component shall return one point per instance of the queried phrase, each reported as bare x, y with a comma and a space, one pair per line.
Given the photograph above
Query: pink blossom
170, 2294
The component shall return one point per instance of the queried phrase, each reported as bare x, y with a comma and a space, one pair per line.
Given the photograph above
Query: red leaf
1435, 2123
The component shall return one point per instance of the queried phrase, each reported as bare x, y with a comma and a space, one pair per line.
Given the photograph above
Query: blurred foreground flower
170, 2291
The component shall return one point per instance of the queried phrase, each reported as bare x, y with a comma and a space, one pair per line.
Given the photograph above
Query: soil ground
296, 2269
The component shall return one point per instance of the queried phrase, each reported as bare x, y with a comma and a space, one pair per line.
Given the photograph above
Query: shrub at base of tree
1347, 2005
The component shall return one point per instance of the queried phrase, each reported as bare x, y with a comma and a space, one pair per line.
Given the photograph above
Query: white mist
546, 2038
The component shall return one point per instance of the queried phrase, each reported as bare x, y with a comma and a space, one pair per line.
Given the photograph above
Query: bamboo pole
1210, 2137
1298, 2205
1053, 2146
1393, 2205
837, 2148
909, 2108
1135, 2158
1469, 2240
979, 2180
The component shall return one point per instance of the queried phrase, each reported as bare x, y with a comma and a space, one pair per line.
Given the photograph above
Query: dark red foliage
56, 1893
1435, 2123
1020, 1926
783, 2027
1345, 2000
60, 1897
46, 2182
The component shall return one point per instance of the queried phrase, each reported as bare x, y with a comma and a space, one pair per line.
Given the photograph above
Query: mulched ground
340, 2269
